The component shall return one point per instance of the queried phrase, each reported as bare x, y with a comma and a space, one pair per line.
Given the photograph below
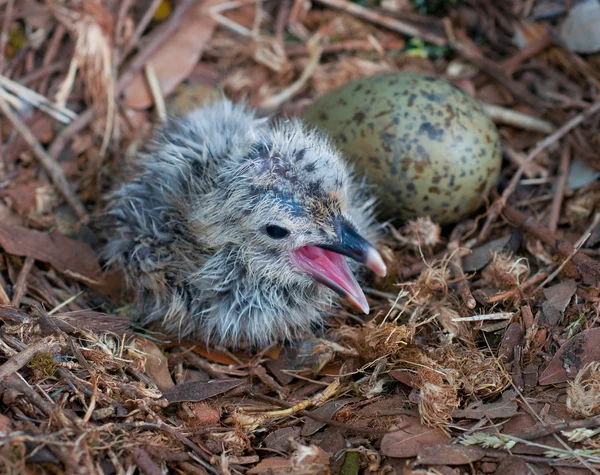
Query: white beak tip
374, 262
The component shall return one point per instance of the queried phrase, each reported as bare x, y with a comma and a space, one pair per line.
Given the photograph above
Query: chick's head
286, 205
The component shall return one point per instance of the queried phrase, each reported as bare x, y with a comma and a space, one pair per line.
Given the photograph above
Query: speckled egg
428, 147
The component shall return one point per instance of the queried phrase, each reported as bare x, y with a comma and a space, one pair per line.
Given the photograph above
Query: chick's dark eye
276, 232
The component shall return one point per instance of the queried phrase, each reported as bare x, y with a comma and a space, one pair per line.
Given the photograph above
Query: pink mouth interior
331, 269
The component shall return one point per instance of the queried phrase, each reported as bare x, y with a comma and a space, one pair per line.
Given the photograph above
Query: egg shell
428, 147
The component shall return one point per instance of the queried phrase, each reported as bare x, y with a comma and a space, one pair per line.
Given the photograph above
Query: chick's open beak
325, 263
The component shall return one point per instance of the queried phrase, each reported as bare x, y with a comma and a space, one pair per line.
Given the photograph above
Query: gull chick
241, 231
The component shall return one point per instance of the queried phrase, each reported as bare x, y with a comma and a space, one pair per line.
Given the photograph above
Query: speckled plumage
188, 228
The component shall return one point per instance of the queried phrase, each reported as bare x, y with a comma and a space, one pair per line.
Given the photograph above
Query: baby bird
237, 230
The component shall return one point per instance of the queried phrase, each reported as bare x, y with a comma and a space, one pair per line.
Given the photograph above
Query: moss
43, 365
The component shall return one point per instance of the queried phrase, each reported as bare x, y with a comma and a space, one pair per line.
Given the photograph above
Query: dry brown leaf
304, 461
482, 255
449, 455
156, 364
411, 439
271, 465
513, 337
66, 255
558, 297
74, 322
572, 356
6, 425
494, 410
279, 440
200, 390
327, 410
514, 466
215, 356
189, 97
176, 58
200, 414
22, 197
89, 320
404, 376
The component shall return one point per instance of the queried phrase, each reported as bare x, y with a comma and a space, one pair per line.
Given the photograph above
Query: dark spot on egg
359, 117
433, 133
420, 166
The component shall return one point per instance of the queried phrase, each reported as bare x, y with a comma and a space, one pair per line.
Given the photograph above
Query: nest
481, 330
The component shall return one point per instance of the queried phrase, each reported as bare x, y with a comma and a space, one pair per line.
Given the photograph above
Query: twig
216, 13
471, 53
157, 95
118, 39
55, 110
532, 411
278, 99
43, 71
295, 26
530, 50
324, 420
8, 13
155, 40
51, 52
585, 264
551, 277
510, 293
145, 463
140, 28
538, 432
283, 15
121, 16
483, 318
64, 416
256, 420
457, 269
563, 175
500, 203
385, 21
502, 115
4, 300
297, 49
93, 398
60, 142
15, 363
295, 11
531, 170
21, 285
54, 171
418, 266
185, 441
